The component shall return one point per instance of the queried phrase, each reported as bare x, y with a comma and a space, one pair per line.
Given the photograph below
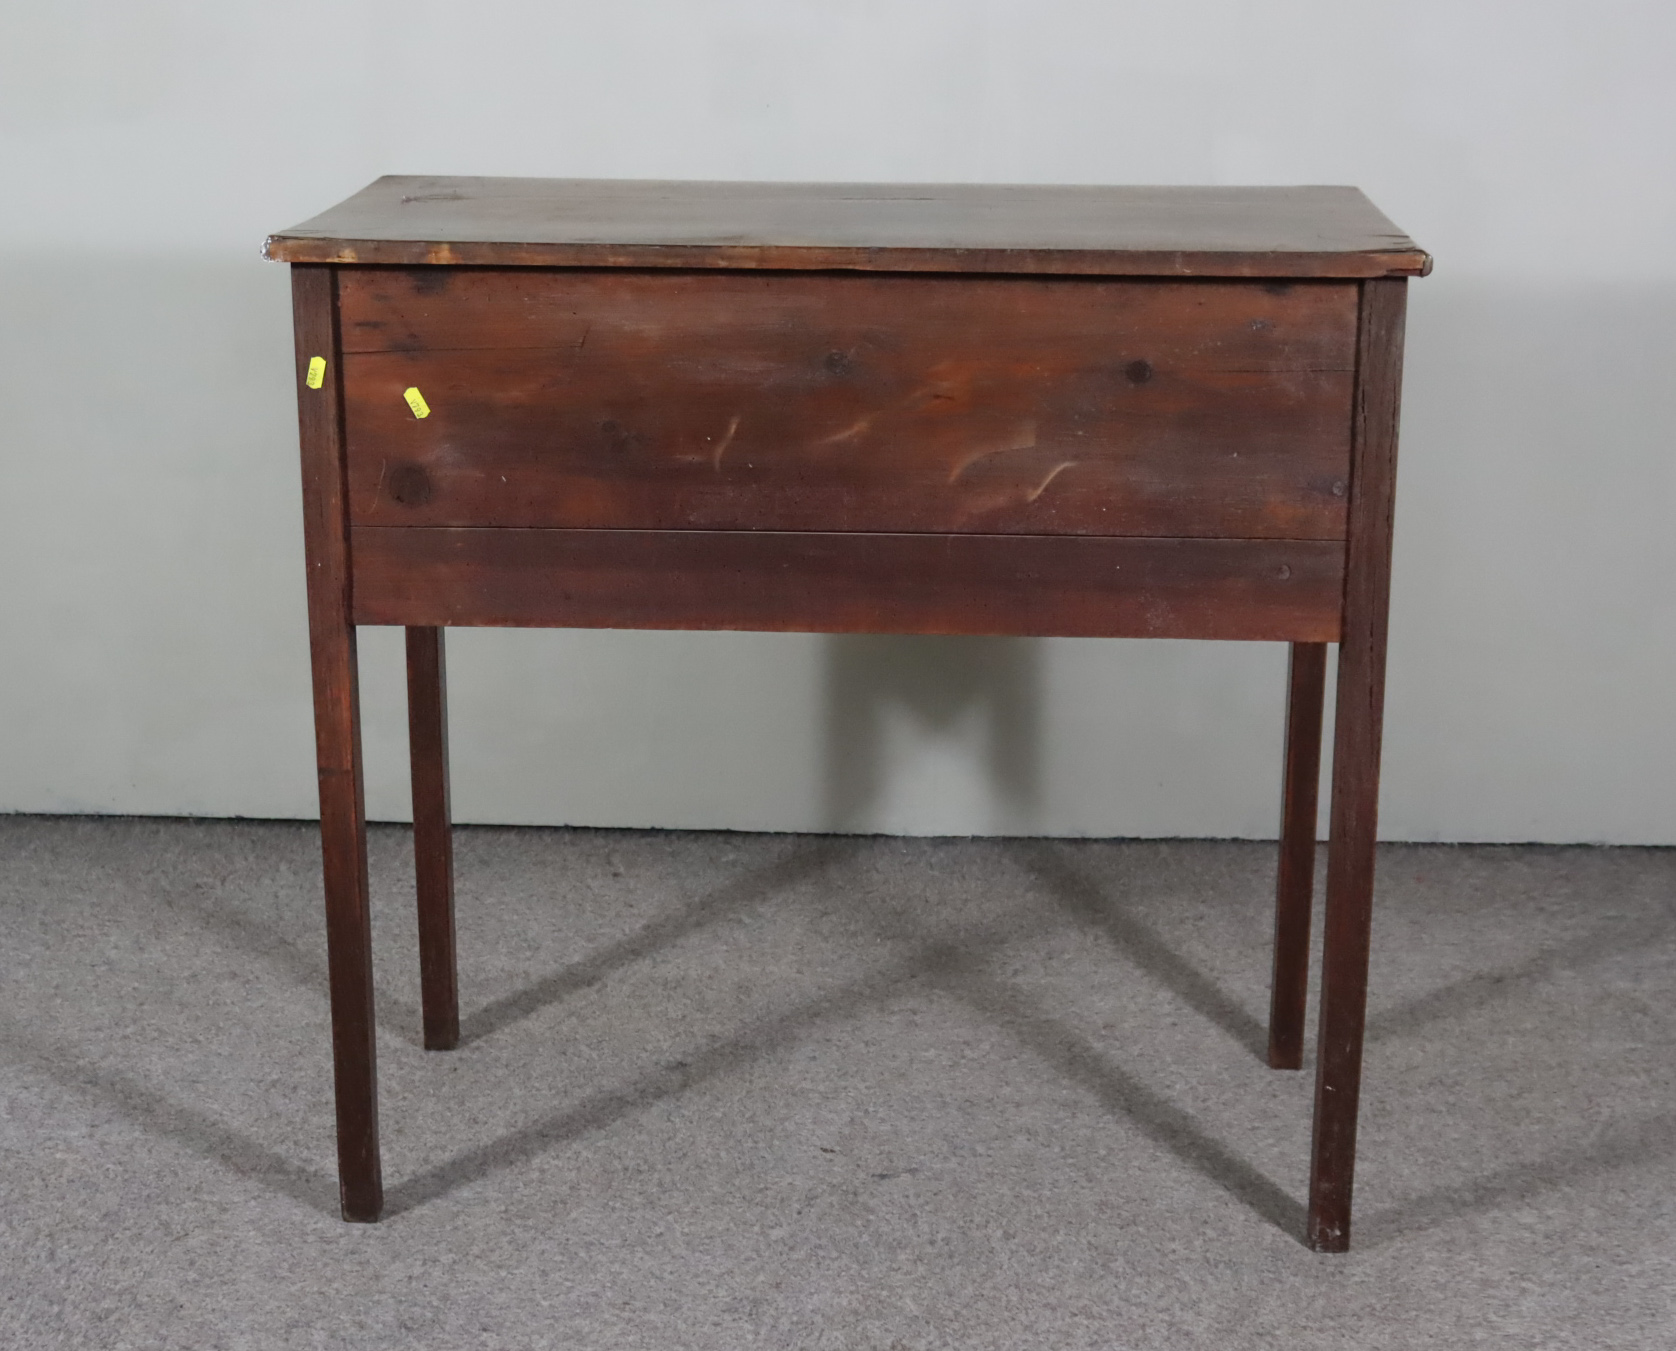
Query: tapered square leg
1358, 719
337, 731
1344, 975
343, 838
433, 847
1295, 880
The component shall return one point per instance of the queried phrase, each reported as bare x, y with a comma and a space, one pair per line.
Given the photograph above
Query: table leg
1344, 974
1295, 881
1356, 744
433, 847
337, 733
343, 838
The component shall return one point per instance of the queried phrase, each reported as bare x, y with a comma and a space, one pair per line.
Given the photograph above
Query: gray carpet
767, 1091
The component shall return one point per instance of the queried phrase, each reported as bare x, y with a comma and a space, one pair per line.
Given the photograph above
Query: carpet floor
867, 1094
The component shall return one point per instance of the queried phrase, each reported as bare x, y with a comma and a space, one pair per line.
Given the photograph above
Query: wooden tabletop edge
1401, 260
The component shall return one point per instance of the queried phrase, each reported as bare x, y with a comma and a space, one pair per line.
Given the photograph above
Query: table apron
815, 403
1028, 585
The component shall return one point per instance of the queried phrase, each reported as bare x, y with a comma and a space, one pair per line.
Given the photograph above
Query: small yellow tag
316, 372
416, 401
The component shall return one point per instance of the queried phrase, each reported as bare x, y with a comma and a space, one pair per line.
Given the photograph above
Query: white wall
152, 644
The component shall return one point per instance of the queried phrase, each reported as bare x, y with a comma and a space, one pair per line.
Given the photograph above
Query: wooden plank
433, 843
1356, 745
337, 729
1200, 325
1286, 590
832, 402
1094, 230
1295, 879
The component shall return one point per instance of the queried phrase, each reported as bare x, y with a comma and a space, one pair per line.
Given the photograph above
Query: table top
1090, 230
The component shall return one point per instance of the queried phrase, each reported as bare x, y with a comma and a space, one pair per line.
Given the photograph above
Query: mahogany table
1097, 411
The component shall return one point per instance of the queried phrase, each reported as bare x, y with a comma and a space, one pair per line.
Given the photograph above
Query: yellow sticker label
416, 401
316, 372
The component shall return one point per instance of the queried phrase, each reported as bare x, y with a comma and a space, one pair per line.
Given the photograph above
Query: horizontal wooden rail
1033, 585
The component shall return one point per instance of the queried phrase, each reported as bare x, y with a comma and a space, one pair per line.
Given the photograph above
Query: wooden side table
1118, 412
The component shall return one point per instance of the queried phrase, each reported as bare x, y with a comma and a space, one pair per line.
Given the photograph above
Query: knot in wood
411, 485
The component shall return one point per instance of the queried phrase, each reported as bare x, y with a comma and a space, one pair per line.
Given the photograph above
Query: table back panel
848, 402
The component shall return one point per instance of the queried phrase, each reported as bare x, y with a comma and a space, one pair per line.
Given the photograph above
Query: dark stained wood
1356, 745
1295, 881
337, 729
1123, 412
1285, 590
729, 401
433, 844
1250, 326
967, 228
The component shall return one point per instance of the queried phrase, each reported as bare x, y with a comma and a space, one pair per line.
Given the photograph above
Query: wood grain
1035, 411
1356, 746
433, 843
1285, 590
337, 730
967, 228
828, 402
1295, 879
